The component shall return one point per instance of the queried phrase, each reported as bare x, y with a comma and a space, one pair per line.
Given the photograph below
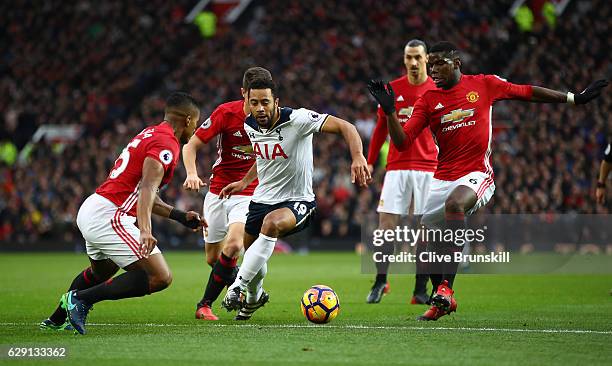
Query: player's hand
147, 243
591, 92
371, 169
194, 221
193, 183
385, 96
600, 195
360, 173
232, 188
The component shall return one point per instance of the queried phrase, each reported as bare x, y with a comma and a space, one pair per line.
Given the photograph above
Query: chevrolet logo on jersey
245, 149
406, 112
457, 115
244, 152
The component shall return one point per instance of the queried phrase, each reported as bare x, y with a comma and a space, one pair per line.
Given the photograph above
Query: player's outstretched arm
359, 167
385, 96
544, 95
379, 136
240, 185
402, 137
190, 219
190, 149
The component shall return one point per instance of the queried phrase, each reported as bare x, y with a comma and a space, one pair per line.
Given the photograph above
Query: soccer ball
320, 304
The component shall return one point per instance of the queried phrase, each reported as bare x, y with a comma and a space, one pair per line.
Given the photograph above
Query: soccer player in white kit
284, 201
226, 218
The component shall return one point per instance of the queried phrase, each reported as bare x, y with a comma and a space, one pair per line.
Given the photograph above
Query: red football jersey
460, 120
422, 154
233, 145
121, 186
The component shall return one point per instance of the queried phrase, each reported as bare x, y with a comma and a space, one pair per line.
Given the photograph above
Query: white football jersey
284, 156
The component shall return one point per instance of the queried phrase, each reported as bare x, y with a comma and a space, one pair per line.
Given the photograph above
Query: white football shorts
109, 233
220, 213
400, 187
434, 213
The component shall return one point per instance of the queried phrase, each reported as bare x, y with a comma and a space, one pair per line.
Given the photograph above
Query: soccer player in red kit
226, 217
116, 220
459, 113
409, 172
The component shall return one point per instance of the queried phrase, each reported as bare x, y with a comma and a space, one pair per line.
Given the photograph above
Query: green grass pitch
501, 319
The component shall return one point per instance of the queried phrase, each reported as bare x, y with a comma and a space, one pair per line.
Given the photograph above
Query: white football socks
254, 259
255, 287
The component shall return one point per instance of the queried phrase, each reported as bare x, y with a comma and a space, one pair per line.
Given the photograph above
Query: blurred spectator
108, 65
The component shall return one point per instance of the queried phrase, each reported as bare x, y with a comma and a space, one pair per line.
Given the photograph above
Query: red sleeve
378, 136
417, 123
161, 151
211, 127
501, 89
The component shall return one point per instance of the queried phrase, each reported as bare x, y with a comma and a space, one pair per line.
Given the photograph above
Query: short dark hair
253, 73
443, 47
181, 100
416, 43
263, 84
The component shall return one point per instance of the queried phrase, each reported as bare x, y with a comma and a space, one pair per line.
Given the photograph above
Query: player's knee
233, 247
273, 226
160, 281
211, 260
388, 222
454, 205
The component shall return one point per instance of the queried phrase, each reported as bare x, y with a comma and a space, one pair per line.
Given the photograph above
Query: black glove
181, 216
384, 96
591, 92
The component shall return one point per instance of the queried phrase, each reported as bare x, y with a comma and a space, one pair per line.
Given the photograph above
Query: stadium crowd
113, 62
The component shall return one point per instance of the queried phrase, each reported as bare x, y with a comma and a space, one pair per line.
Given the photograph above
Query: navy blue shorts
302, 210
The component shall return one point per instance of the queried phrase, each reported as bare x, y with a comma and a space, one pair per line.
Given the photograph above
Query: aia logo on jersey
268, 152
472, 97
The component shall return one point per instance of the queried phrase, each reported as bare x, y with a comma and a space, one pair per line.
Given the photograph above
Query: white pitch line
298, 326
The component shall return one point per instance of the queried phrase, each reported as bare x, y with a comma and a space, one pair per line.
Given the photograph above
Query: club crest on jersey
165, 156
457, 115
472, 97
280, 137
206, 124
269, 152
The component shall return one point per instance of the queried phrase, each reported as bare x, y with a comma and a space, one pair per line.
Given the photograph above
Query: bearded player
116, 220
225, 218
458, 113
409, 172
283, 202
